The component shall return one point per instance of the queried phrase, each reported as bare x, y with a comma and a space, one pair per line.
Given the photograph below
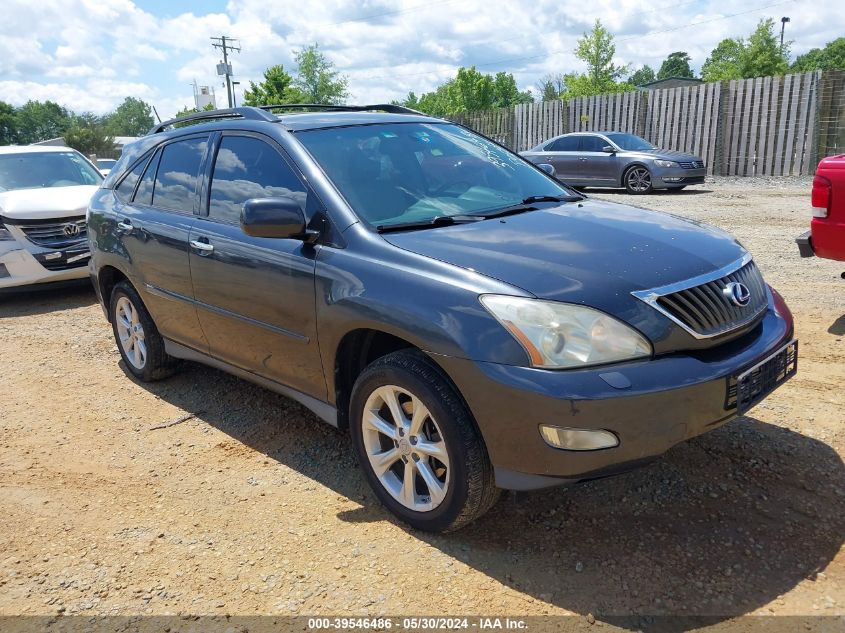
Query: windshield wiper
527, 204
438, 220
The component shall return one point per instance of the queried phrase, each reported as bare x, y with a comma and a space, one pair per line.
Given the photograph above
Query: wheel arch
107, 278
629, 167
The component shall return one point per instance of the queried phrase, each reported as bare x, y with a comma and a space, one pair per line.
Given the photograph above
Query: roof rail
245, 112
382, 107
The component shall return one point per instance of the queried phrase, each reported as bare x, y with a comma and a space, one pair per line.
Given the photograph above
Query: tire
143, 354
464, 488
637, 180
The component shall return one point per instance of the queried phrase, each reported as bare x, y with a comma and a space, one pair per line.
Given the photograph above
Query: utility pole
226, 44
783, 22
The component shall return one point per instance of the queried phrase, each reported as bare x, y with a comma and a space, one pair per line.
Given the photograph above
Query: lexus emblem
738, 293
71, 229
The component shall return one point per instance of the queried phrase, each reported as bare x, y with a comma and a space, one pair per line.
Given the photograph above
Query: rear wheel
136, 335
638, 180
417, 444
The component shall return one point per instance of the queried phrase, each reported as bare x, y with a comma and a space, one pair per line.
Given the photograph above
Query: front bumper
669, 399
20, 267
667, 177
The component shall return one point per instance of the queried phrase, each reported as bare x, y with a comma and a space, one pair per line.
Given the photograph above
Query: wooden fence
773, 126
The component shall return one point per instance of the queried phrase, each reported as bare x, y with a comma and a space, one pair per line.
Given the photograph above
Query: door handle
124, 225
582, 159
202, 247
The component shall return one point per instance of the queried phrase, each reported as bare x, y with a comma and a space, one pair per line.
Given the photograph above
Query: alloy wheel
405, 448
639, 180
130, 332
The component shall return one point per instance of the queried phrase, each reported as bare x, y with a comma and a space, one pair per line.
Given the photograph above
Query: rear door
562, 154
255, 296
597, 167
153, 226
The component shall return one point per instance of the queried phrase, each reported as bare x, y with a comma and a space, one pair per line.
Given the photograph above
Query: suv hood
46, 203
593, 252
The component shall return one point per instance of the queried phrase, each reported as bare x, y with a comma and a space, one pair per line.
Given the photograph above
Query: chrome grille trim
699, 305
52, 234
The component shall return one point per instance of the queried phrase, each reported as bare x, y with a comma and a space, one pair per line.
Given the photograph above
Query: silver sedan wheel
639, 179
130, 332
405, 447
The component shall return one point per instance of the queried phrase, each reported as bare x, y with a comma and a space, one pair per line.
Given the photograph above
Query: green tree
763, 56
725, 61
276, 88
8, 124
41, 120
469, 91
675, 65
642, 76
133, 117
506, 93
597, 49
831, 57
317, 79
87, 134
189, 110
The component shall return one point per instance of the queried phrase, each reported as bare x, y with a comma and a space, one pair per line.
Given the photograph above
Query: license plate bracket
759, 381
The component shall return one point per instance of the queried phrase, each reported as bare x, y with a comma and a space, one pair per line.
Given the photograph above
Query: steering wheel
451, 185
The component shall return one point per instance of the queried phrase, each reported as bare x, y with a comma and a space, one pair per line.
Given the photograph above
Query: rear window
39, 170
178, 174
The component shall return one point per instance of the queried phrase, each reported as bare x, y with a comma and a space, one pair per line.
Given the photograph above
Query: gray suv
617, 159
472, 322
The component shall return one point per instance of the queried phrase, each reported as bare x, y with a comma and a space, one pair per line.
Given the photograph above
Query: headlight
564, 335
5, 236
666, 163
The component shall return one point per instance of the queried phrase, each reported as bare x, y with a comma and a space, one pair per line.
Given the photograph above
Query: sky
88, 55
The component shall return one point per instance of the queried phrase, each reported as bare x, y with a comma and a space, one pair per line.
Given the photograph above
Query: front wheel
638, 180
418, 445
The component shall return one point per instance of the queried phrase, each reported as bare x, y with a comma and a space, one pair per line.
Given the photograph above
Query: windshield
36, 170
413, 172
631, 142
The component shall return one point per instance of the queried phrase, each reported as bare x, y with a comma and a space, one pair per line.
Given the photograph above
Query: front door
255, 296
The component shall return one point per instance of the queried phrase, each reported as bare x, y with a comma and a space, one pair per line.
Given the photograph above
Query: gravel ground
252, 506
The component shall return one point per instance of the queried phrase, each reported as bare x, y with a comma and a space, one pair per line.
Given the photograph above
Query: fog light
672, 179
578, 439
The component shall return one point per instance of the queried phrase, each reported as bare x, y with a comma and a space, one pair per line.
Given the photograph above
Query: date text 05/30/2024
414, 624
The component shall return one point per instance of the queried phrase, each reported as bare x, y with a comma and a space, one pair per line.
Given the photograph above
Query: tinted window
412, 172
564, 144
249, 168
631, 142
592, 143
127, 187
178, 173
144, 195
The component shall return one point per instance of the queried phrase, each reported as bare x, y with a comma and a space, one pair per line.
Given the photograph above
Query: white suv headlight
565, 335
666, 163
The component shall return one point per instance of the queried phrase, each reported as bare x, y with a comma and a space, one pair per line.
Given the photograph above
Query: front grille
706, 308
695, 164
56, 234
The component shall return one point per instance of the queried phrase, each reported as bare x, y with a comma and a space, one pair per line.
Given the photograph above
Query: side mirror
549, 169
275, 217
608, 149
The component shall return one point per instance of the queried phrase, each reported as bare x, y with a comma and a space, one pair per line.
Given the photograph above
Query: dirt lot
252, 506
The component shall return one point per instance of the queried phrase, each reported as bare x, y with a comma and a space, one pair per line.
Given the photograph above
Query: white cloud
89, 55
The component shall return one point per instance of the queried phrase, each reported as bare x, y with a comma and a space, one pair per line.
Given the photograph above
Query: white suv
44, 193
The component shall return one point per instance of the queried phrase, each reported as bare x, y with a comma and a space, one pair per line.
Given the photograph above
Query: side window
144, 195
245, 168
592, 143
564, 144
126, 188
178, 174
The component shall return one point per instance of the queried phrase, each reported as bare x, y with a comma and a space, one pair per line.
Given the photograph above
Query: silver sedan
617, 159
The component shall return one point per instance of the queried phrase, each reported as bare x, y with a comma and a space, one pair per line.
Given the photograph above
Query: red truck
826, 237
